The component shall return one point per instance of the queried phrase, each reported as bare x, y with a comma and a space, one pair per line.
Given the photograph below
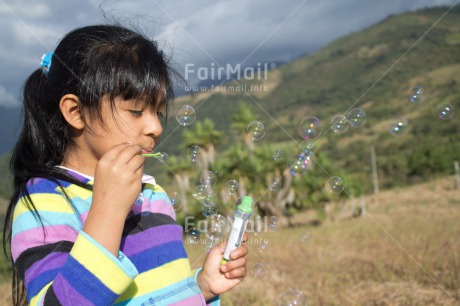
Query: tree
179, 170
240, 120
205, 136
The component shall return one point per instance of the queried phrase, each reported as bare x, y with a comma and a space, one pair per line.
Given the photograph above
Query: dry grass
404, 251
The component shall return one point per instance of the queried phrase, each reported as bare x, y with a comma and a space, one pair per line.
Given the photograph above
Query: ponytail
41, 145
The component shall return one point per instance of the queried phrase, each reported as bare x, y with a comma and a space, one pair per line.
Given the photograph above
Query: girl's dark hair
89, 62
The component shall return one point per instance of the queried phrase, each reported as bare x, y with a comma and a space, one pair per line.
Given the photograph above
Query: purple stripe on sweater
79, 177
34, 237
193, 300
67, 294
52, 261
33, 181
150, 238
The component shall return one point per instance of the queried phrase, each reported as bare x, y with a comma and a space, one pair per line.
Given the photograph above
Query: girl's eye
136, 113
160, 115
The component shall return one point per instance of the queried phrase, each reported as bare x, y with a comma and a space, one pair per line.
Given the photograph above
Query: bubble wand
154, 155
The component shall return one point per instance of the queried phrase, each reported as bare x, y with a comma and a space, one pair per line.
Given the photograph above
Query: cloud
229, 31
6, 98
25, 9
199, 32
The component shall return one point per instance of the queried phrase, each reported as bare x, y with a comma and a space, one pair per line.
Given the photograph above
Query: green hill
375, 70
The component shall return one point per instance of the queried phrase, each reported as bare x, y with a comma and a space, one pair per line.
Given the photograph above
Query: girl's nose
153, 125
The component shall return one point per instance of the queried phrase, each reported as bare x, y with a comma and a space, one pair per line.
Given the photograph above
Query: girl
84, 225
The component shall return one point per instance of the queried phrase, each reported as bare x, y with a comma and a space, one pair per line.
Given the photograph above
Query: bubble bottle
242, 215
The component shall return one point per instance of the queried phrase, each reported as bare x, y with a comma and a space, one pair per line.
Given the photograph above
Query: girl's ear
70, 109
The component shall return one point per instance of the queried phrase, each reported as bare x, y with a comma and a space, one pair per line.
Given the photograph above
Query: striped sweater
62, 265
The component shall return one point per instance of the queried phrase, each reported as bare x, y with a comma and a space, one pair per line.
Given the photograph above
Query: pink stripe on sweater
193, 300
41, 236
159, 206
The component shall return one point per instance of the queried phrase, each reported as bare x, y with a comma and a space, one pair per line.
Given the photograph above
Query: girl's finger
137, 162
128, 153
241, 251
237, 273
234, 264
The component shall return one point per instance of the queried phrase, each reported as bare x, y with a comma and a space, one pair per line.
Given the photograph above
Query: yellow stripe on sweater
44, 202
82, 193
157, 278
97, 262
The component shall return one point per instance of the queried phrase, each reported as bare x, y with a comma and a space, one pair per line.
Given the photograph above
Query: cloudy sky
199, 32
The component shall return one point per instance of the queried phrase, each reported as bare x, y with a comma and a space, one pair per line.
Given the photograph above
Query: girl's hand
118, 178
216, 278
117, 183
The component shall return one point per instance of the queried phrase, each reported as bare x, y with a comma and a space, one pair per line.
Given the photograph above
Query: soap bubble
335, 184
232, 187
299, 164
258, 269
175, 200
185, 115
277, 154
398, 126
356, 117
192, 236
293, 298
194, 153
216, 226
263, 246
339, 124
210, 199
208, 178
416, 94
205, 195
164, 157
256, 130
200, 192
208, 210
445, 111
274, 223
309, 128
275, 184
305, 236
306, 146
258, 225
210, 244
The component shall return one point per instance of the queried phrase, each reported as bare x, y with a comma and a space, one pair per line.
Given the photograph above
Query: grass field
404, 251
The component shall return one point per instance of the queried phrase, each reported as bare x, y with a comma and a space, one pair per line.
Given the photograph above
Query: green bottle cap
246, 205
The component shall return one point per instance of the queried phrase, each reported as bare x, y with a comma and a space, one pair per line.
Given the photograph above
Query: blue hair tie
46, 62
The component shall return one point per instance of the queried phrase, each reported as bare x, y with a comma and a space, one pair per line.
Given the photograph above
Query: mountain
374, 69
